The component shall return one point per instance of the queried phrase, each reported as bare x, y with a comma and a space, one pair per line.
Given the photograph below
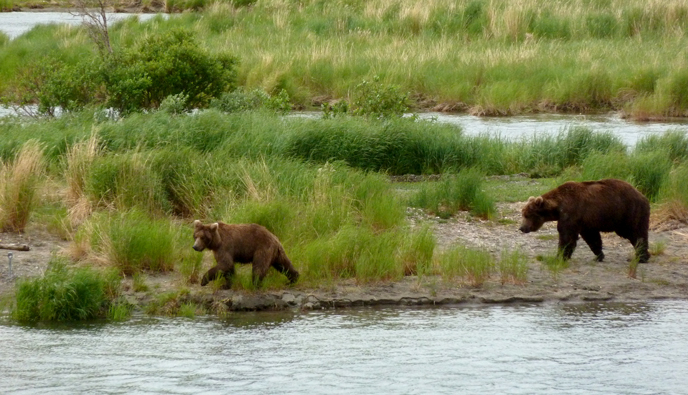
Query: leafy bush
65, 294
371, 99
52, 83
241, 100
165, 64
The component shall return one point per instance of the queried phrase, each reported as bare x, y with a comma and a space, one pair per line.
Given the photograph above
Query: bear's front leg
214, 273
567, 241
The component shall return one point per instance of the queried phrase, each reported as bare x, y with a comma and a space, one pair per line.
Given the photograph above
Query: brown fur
588, 208
241, 243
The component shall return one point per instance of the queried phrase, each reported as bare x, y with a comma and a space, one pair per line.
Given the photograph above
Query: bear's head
536, 212
205, 236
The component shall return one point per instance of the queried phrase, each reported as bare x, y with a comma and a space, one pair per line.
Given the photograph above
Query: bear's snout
524, 228
199, 245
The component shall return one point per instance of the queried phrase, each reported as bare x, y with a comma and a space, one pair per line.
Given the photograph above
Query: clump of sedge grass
456, 192
65, 294
513, 267
418, 252
19, 182
79, 159
674, 195
132, 242
555, 263
473, 265
649, 172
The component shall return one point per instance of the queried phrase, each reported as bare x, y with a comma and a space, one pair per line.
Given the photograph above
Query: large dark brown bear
588, 208
241, 243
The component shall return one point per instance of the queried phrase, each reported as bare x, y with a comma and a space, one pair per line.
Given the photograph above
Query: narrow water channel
556, 349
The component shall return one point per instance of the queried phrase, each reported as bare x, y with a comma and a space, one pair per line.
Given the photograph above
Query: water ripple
569, 349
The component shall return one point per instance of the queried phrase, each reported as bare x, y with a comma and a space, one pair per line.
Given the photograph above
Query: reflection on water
587, 348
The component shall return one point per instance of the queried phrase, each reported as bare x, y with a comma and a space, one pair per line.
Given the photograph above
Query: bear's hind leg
594, 241
261, 264
283, 265
641, 248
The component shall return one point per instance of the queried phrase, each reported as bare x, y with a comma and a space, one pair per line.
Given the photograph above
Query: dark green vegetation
66, 294
487, 57
126, 188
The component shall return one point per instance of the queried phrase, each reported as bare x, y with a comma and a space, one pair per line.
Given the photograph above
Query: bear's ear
536, 202
197, 224
214, 226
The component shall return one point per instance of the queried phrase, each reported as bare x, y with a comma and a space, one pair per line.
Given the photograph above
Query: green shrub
174, 104
371, 99
164, 64
241, 100
52, 83
65, 294
377, 100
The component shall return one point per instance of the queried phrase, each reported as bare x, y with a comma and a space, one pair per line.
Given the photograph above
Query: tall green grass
485, 56
65, 294
132, 242
454, 193
472, 265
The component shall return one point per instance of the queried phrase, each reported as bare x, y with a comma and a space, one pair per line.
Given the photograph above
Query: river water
554, 349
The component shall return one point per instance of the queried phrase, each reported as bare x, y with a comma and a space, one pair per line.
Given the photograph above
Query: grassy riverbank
486, 57
125, 192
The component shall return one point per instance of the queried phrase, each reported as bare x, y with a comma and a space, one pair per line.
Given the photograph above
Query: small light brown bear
241, 243
588, 208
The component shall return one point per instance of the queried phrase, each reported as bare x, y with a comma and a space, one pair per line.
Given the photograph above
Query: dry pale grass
19, 182
79, 159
